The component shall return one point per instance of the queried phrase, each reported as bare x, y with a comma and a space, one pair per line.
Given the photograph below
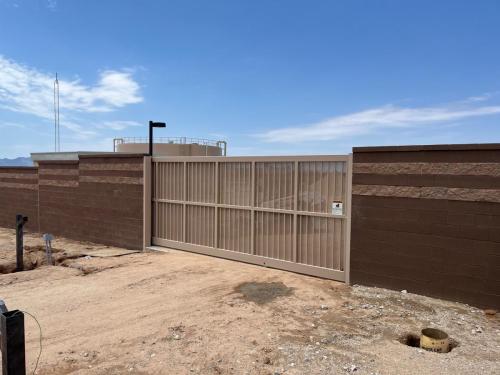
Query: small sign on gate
337, 208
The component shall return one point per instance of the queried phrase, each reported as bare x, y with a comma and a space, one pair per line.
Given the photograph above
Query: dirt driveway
180, 313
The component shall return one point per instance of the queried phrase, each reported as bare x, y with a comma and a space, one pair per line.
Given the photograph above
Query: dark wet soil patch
262, 293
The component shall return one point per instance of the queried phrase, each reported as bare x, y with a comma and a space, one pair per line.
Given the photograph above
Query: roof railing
172, 140
176, 140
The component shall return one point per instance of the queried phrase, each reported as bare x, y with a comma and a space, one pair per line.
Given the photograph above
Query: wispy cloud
371, 120
478, 98
118, 125
482, 98
8, 124
27, 90
79, 132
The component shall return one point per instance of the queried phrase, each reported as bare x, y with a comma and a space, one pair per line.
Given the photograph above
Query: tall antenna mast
57, 139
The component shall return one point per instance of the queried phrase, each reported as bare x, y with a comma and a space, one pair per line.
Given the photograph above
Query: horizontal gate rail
255, 259
274, 211
262, 209
228, 159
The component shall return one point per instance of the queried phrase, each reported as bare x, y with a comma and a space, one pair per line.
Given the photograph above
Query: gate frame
147, 212
149, 241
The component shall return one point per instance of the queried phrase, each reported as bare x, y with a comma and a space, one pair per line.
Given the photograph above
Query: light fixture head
157, 124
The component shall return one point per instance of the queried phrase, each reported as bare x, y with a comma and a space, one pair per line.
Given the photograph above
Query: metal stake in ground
20, 221
47, 237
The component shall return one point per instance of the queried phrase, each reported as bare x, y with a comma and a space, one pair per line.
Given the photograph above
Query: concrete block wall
98, 198
427, 219
18, 194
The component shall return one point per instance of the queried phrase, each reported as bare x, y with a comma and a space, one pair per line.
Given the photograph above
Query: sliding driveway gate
291, 213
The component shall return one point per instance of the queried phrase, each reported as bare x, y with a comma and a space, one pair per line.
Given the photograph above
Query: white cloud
95, 144
487, 96
478, 98
371, 120
94, 130
119, 125
79, 132
27, 90
9, 124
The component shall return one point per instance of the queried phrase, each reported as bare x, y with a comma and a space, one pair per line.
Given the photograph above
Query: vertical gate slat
252, 212
295, 208
216, 209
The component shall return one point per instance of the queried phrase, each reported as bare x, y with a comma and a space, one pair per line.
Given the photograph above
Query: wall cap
113, 155
22, 167
443, 147
44, 162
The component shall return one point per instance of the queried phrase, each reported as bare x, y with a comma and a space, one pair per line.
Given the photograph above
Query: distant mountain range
17, 162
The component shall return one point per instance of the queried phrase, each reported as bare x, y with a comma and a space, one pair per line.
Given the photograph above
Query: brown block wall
18, 194
97, 199
427, 219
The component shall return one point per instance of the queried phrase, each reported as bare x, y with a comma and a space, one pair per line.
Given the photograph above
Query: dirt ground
180, 313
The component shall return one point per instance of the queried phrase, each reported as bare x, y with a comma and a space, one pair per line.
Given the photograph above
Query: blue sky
270, 77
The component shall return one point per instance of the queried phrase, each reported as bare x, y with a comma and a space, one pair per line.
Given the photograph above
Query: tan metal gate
272, 211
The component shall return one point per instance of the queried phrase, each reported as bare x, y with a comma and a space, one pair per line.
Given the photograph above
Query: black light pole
152, 125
